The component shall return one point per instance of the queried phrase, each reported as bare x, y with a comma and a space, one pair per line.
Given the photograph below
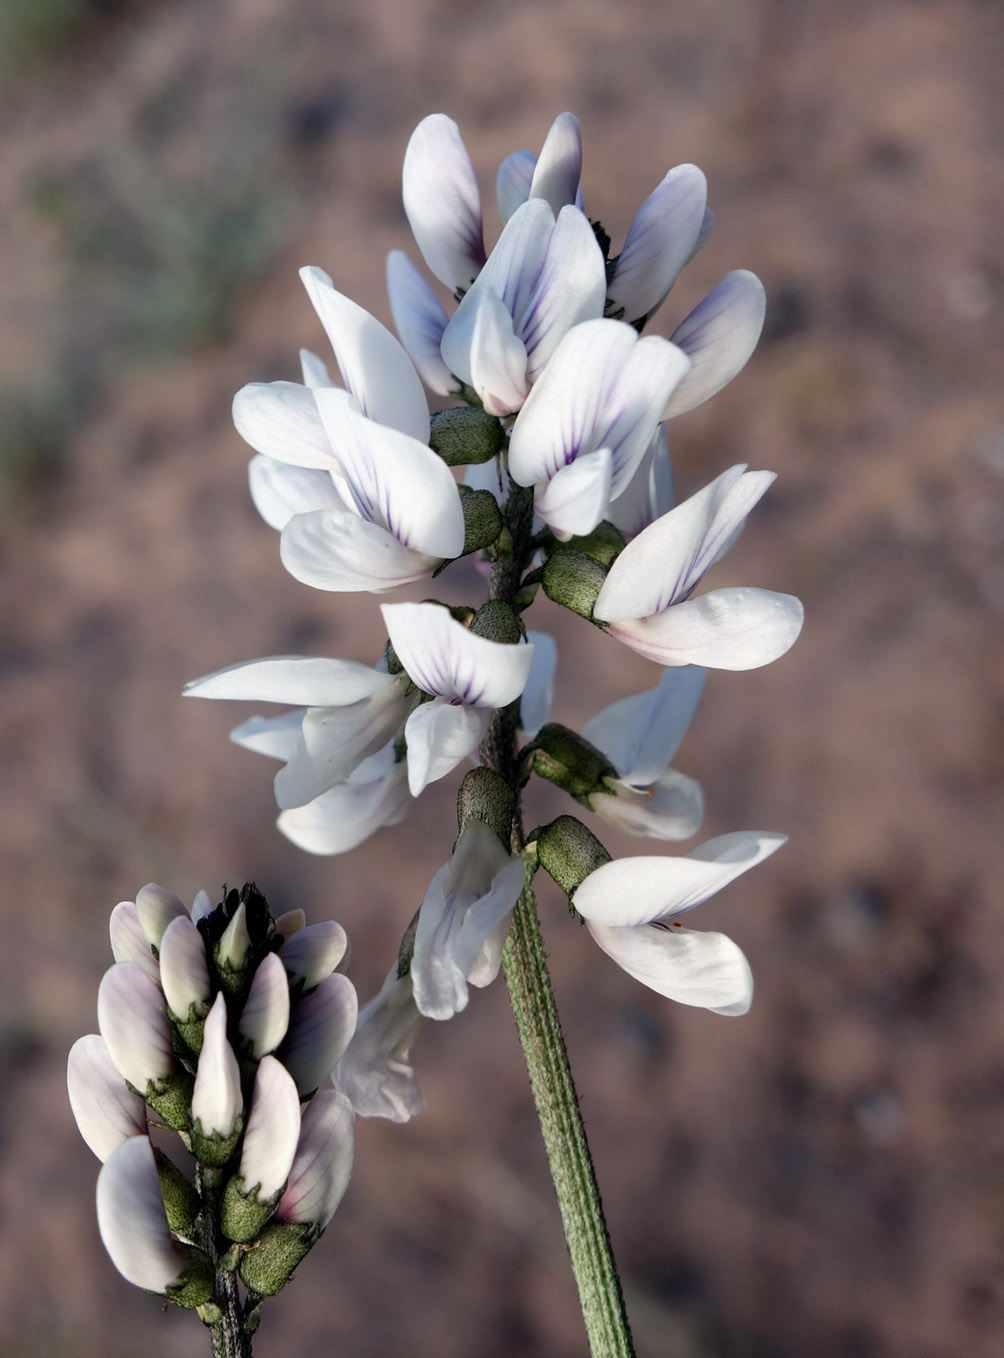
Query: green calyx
482, 519
565, 758
242, 1215
181, 1198
268, 1266
215, 1150
195, 1286
569, 852
465, 435
573, 579
485, 796
497, 621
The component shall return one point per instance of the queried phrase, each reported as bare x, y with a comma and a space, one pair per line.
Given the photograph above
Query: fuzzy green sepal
569, 852
195, 1286
181, 1198
486, 796
573, 579
482, 519
564, 757
242, 1215
465, 436
269, 1265
215, 1150
171, 1099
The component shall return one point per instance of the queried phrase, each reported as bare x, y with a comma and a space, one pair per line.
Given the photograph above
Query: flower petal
340, 551
134, 1024
420, 320
279, 491
264, 1019
671, 808
132, 1219
512, 183
559, 165
322, 1166
375, 1072
275, 737
707, 970
442, 202
450, 661
374, 367
570, 288
576, 498
280, 420
538, 692
273, 1130
660, 241
630, 891
640, 735
106, 1110
498, 356
727, 629
439, 735
348, 814
666, 560
320, 1027
308, 681
649, 492
216, 1098
395, 480
718, 336
315, 370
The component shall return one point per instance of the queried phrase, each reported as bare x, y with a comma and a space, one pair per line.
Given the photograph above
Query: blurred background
825, 1176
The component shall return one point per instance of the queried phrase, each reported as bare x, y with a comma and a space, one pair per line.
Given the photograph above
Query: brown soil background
824, 1177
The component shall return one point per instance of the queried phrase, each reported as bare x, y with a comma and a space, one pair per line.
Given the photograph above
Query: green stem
536, 1014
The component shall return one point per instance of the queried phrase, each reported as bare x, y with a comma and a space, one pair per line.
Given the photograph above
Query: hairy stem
537, 1021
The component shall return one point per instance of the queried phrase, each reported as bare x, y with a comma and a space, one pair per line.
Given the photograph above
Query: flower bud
290, 923
313, 953
134, 1229
217, 1102
566, 758
106, 1110
265, 1016
569, 852
482, 519
465, 435
156, 908
235, 944
135, 1026
184, 972
129, 941
270, 1143
322, 1166
574, 580
321, 1026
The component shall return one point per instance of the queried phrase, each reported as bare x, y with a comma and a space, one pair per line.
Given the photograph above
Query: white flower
132, 1220
265, 1017
468, 676
134, 1024
631, 905
442, 202
352, 711
312, 953
589, 421
718, 337
376, 1074
646, 597
320, 1027
374, 795
553, 175
544, 276
640, 736
649, 493
272, 1132
217, 1102
463, 921
322, 1165
184, 972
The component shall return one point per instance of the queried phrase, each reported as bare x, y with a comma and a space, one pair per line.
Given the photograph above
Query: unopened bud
181, 1198
129, 941
569, 852
184, 972
322, 1166
320, 1028
265, 1016
156, 908
313, 953
268, 1267
217, 1102
106, 1110
134, 1024
290, 923
270, 1143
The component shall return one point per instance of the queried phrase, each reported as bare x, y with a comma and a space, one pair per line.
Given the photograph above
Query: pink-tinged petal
322, 1166
538, 692
375, 368
184, 971
276, 737
498, 356
649, 493
727, 629
630, 891
672, 807
570, 289
559, 165
217, 1102
129, 943
279, 491
665, 562
395, 481
348, 814
335, 741
307, 681
439, 736
420, 319
315, 370
202, 905
576, 498
320, 1028
442, 202
107, 1112
273, 1130
512, 183
132, 1219
512, 273
134, 1024
660, 241
313, 953
342, 552
718, 336
706, 970
280, 420
376, 1073
265, 1017
640, 735
450, 661
156, 907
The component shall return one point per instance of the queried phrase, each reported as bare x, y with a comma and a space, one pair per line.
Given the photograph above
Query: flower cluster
559, 424
223, 1022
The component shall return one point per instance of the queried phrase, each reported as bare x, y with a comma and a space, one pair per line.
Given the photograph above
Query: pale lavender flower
132, 1220
320, 1028
107, 1112
134, 1024
322, 1165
